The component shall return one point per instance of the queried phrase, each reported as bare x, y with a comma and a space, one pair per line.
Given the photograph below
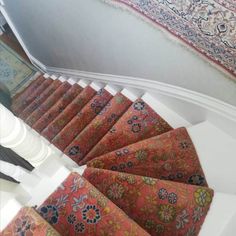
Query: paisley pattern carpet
142, 177
14, 70
207, 26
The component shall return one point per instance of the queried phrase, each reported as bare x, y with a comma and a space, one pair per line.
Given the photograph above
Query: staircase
144, 169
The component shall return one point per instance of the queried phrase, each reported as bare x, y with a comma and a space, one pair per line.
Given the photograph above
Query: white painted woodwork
170, 116
216, 151
131, 94
8, 211
18, 173
15, 134
113, 89
96, 85
221, 218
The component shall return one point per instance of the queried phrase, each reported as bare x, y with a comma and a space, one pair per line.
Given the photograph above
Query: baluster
15, 134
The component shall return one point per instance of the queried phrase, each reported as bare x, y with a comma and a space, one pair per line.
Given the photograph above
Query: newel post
15, 134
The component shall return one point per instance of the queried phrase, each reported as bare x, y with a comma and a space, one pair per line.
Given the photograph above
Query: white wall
90, 35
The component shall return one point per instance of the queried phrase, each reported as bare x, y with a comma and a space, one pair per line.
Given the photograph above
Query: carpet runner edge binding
162, 154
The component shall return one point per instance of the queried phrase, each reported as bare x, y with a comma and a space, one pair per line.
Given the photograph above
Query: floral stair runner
39, 100
70, 111
28, 223
47, 104
58, 108
98, 127
136, 162
160, 207
81, 120
19, 97
32, 96
138, 123
77, 207
170, 156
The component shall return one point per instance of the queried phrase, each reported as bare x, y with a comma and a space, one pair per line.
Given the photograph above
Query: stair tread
84, 142
170, 156
47, 104
139, 122
27, 91
39, 100
32, 96
79, 201
57, 108
139, 195
82, 119
69, 112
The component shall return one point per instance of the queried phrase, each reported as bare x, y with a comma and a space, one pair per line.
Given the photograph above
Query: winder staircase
125, 164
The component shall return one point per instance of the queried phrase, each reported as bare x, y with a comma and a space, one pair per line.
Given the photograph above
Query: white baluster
15, 134
18, 173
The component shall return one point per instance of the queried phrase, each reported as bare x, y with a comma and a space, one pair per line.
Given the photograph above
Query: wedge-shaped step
216, 151
58, 108
39, 99
69, 112
170, 156
81, 120
99, 126
34, 94
46, 105
158, 206
77, 207
139, 122
20, 97
29, 222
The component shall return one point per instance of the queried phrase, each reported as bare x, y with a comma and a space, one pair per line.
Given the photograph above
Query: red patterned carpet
142, 178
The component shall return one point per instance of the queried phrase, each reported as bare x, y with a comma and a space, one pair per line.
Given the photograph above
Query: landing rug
208, 26
14, 70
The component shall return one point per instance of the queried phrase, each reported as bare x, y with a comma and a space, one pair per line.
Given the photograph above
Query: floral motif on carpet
160, 207
28, 223
170, 156
208, 26
78, 208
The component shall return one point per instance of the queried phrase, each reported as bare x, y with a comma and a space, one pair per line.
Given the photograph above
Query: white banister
18, 173
15, 134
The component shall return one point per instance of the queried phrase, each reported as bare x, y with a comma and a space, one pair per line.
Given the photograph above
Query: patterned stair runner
28, 223
84, 142
31, 97
170, 156
81, 120
39, 100
143, 177
70, 111
19, 97
46, 105
77, 207
138, 123
160, 207
58, 108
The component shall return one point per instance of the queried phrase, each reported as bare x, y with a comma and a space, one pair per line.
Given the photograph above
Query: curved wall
93, 36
